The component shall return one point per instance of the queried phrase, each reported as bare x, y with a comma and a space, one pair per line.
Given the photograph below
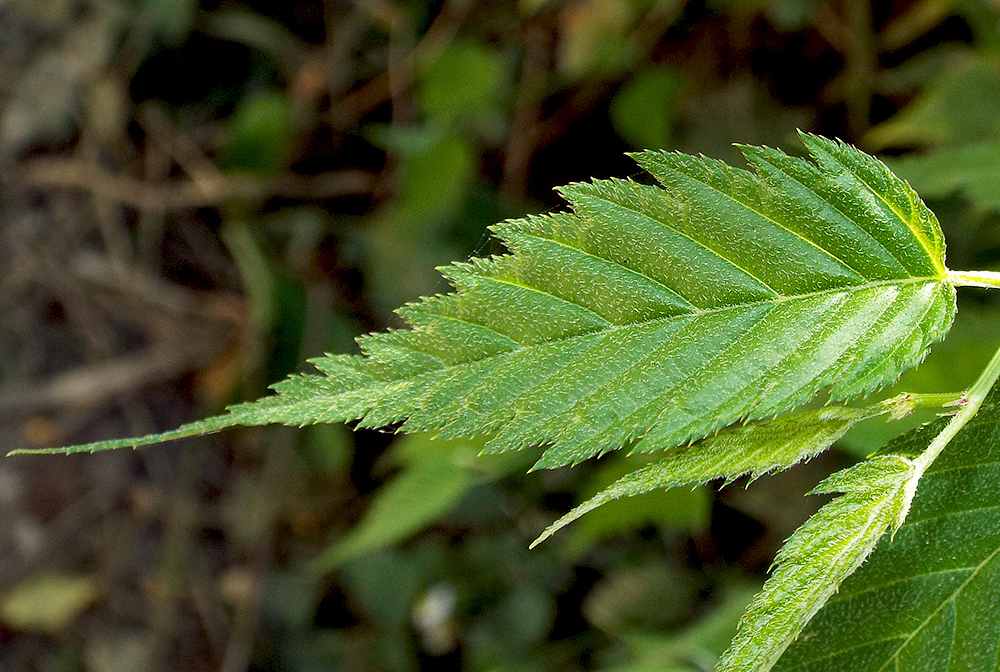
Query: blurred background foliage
195, 196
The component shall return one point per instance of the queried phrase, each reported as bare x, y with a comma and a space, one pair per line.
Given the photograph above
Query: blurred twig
861, 61
171, 582
640, 42
913, 22
273, 479
83, 175
180, 149
853, 36
94, 384
527, 111
379, 89
527, 139
185, 330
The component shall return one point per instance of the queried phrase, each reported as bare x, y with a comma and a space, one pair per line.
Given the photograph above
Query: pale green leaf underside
823, 552
654, 316
929, 599
753, 449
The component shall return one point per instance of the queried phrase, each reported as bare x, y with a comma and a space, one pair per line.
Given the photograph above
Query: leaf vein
836, 208
637, 272
538, 290
767, 217
972, 575
459, 320
697, 242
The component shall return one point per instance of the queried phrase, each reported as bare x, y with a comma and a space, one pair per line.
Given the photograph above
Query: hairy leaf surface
927, 600
823, 552
752, 449
654, 315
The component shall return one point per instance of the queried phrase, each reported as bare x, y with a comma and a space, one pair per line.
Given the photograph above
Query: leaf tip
542, 537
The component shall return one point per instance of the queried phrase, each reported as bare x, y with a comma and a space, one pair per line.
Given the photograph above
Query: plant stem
976, 394
974, 398
987, 279
903, 404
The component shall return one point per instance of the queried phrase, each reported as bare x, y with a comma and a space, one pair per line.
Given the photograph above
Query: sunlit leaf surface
653, 315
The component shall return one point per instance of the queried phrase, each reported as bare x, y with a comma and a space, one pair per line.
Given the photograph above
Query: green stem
903, 404
974, 398
976, 394
933, 399
987, 279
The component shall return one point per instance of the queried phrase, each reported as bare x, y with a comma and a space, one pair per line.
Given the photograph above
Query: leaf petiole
974, 398
968, 405
902, 405
986, 279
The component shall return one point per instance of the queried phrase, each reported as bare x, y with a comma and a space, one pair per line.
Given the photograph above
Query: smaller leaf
756, 449
972, 169
410, 235
820, 555
464, 80
260, 132
427, 488
927, 601
644, 111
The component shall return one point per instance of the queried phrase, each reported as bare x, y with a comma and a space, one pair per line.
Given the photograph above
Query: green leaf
464, 80
954, 364
820, 555
753, 449
927, 598
260, 132
958, 106
653, 316
426, 489
410, 234
972, 169
644, 111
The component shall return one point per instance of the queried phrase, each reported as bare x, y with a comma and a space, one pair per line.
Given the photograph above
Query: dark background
195, 197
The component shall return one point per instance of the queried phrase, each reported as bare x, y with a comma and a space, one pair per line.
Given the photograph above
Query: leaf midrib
938, 264
642, 323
